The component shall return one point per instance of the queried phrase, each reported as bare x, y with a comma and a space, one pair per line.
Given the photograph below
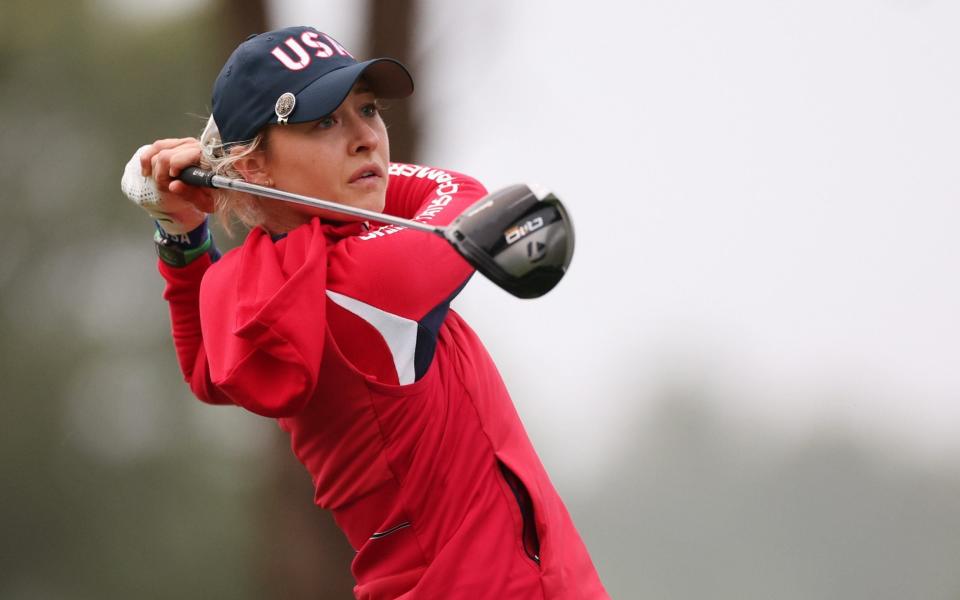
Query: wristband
179, 250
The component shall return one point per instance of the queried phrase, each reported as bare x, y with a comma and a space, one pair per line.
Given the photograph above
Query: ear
253, 166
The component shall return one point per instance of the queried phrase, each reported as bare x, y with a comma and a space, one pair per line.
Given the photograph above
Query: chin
374, 202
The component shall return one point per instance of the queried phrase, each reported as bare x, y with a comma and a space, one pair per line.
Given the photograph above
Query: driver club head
518, 237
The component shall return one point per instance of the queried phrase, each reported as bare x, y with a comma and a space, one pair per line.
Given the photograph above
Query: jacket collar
335, 231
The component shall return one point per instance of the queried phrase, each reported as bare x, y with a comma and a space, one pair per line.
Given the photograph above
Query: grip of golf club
196, 176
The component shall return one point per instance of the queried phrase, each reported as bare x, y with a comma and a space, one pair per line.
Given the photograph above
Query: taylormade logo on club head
518, 232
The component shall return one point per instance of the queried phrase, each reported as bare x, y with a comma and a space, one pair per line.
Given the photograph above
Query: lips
366, 172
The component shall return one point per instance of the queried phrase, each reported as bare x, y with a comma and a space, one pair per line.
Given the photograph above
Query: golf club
520, 239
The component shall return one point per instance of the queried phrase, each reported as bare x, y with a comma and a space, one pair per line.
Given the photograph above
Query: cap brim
387, 78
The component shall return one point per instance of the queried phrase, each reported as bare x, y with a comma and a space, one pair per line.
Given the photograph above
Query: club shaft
219, 181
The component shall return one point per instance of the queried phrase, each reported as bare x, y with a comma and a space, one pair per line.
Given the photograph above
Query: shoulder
438, 175
410, 187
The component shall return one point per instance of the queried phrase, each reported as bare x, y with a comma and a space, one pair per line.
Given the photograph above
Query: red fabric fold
264, 316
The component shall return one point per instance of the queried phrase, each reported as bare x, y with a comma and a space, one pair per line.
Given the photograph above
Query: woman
341, 330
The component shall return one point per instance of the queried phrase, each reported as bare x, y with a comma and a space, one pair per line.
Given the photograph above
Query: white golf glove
171, 212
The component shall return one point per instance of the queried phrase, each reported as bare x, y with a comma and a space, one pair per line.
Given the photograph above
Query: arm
399, 270
182, 294
262, 326
184, 246
390, 289
248, 330
410, 185
264, 323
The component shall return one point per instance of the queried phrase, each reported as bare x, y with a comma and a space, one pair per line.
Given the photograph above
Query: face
342, 157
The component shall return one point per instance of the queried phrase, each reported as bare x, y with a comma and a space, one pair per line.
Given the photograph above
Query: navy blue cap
294, 75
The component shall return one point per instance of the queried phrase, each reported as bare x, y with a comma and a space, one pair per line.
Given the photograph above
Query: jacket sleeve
390, 289
249, 330
182, 293
264, 321
401, 271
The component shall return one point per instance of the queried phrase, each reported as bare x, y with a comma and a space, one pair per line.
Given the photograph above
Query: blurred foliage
117, 484
86, 510
699, 505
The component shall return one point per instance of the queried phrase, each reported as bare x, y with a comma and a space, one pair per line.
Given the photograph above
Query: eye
370, 109
325, 122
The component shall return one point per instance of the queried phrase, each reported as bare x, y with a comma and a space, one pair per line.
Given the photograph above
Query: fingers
168, 157
178, 187
181, 157
158, 154
200, 198
163, 160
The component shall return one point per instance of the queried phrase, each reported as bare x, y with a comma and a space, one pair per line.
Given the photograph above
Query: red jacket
345, 336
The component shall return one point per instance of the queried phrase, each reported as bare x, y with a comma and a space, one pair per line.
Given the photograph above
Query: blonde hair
231, 206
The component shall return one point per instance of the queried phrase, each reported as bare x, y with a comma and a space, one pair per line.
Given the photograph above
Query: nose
364, 138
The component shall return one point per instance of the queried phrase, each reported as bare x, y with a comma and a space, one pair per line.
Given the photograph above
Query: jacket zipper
531, 542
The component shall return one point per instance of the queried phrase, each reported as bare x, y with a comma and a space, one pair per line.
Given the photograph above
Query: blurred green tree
118, 484
109, 490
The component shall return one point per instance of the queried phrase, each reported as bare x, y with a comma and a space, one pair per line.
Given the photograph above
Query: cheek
304, 168
384, 141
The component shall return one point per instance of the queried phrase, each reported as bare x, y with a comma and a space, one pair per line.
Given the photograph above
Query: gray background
746, 387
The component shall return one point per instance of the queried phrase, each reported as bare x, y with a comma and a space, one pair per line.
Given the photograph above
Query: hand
148, 180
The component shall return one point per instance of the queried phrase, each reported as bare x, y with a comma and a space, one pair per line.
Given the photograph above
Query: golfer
342, 331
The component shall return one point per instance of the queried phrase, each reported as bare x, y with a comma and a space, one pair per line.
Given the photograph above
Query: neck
280, 217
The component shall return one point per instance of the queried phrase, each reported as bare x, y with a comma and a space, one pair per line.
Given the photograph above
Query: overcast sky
765, 193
